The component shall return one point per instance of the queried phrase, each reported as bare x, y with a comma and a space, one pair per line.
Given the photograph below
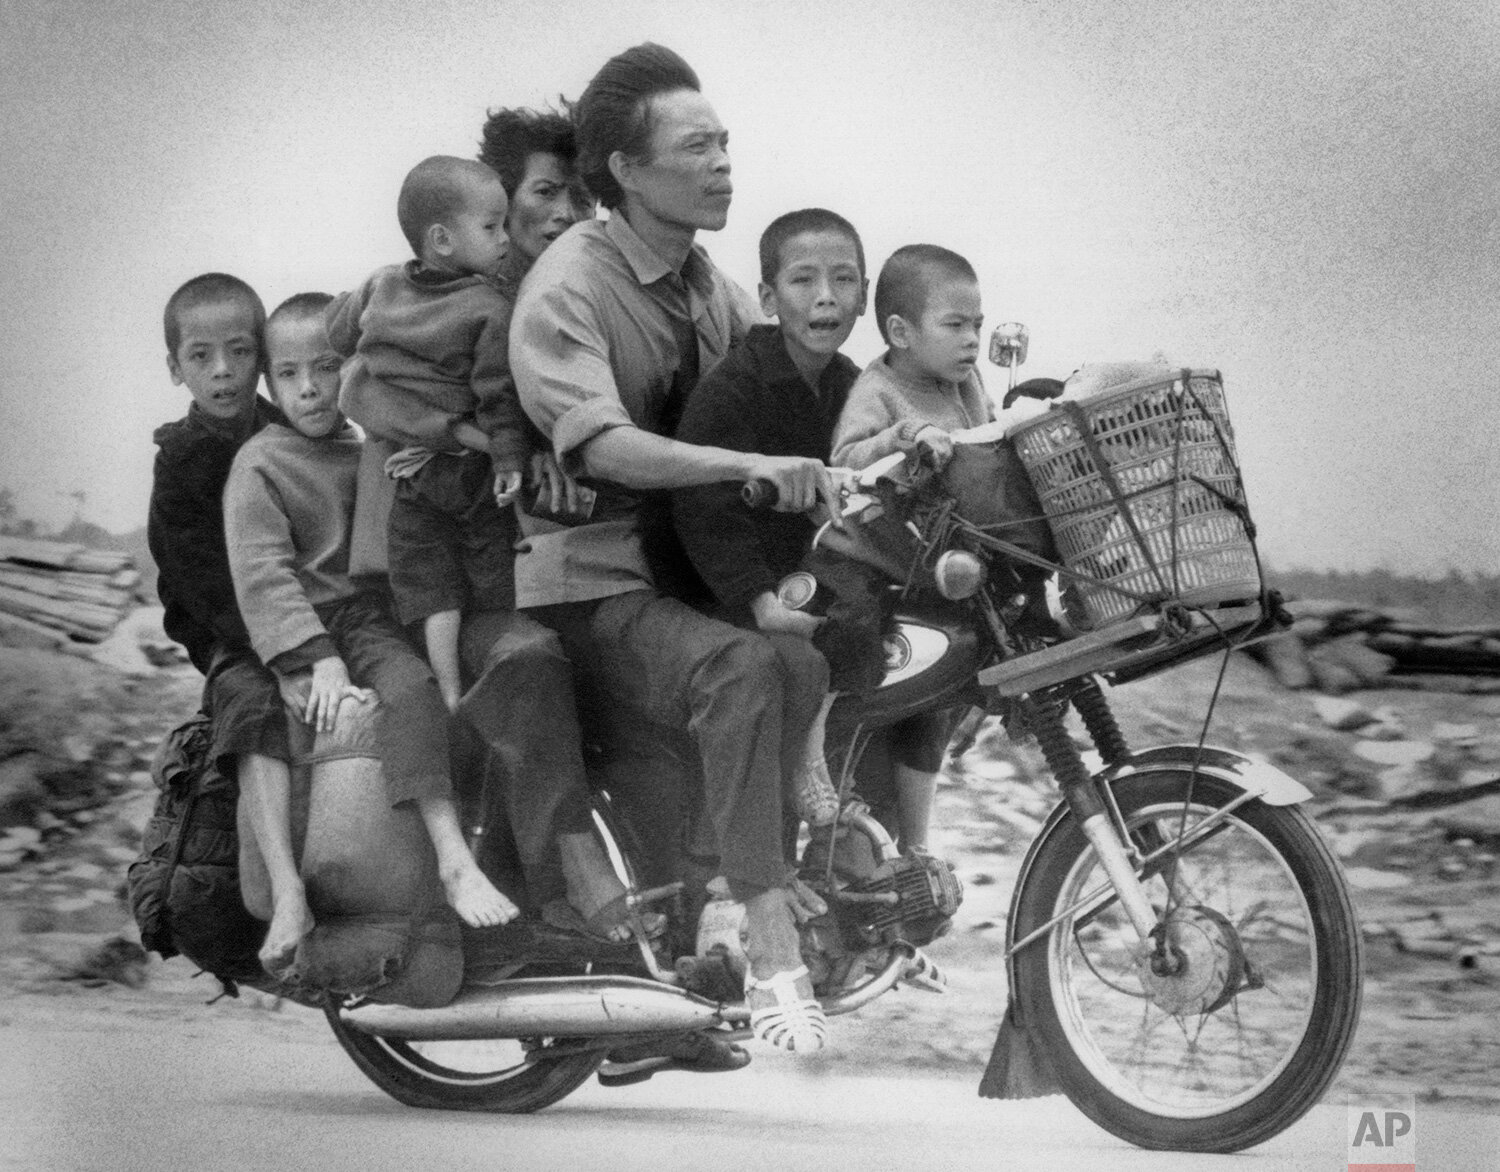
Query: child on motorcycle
913, 397
780, 392
215, 347
288, 505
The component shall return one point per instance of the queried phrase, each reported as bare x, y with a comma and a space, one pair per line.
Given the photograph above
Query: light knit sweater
288, 512
885, 411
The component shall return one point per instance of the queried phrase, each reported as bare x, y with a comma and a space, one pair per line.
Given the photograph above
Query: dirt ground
1425, 884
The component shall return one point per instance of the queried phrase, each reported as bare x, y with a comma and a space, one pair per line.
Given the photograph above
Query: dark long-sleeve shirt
755, 400
185, 531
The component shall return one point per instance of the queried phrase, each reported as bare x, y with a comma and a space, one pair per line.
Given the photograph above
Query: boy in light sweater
288, 509
922, 389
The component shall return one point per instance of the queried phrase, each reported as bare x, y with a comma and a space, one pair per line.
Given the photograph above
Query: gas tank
931, 659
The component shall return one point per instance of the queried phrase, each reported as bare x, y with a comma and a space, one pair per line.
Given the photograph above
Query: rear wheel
1239, 1030
509, 1076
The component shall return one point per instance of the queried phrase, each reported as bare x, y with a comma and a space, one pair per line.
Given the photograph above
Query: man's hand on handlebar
771, 615
801, 483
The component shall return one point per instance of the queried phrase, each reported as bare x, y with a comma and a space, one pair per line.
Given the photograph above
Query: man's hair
783, 228
907, 279
512, 136
614, 113
299, 306
432, 192
210, 289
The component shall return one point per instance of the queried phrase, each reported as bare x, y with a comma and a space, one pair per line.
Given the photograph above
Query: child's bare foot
476, 900
291, 919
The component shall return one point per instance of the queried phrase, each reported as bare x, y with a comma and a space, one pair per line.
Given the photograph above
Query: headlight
959, 574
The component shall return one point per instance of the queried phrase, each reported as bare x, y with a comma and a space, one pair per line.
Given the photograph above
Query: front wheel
1229, 1033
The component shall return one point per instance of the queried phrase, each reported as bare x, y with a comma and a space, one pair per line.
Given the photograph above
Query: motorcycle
1182, 955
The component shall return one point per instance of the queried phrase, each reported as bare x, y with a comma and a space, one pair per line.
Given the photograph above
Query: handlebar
760, 494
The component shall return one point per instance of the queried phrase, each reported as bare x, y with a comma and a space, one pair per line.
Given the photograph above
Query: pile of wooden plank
52, 592
1336, 647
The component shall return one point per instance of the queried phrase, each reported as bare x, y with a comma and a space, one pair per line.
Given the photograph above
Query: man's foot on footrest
700, 1053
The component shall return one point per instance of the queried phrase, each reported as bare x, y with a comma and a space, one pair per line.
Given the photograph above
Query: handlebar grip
760, 494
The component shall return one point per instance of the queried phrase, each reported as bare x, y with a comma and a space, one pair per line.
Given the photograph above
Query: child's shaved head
434, 191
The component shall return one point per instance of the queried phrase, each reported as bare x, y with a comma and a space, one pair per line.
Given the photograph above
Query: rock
22, 795
1286, 658
1480, 819
1402, 781
1369, 879
1455, 733
1350, 655
1333, 678
78, 748
1394, 752
1345, 715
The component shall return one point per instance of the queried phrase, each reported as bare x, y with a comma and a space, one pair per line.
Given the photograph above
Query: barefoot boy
779, 392
214, 326
430, 372
288, 508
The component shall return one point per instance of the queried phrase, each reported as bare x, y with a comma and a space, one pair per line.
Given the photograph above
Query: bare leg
592, 882
266, 802
814, 797
915, 790
469, 892
440, 631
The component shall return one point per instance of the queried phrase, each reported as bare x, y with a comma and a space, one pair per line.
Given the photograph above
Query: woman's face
548, 200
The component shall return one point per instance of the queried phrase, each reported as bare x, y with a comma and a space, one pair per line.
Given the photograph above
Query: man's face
684, 180
303, 370
218, 357
818, 294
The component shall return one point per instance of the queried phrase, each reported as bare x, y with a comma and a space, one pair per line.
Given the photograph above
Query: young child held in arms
922, 389
430, 372
779, 392
288, 508
214, 325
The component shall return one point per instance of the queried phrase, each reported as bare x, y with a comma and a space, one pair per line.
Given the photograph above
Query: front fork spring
1088, 697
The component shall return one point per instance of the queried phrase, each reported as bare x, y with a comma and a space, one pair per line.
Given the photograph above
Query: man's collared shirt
592, 346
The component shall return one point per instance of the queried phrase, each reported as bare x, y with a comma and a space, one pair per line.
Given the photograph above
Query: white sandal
794, 1022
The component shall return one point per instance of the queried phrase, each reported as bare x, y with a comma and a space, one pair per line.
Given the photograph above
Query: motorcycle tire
499, 1076
1246, 1036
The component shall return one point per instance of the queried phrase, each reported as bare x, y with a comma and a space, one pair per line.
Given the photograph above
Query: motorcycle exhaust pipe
558, 1007
585, 1007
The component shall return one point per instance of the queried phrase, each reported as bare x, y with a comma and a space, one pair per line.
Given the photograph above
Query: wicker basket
1142, 489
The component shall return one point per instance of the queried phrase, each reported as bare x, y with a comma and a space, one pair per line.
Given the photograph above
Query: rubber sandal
793, 1022
563, 916
698, 1054
815, 798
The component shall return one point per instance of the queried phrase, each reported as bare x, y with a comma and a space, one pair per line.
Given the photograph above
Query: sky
1303, 196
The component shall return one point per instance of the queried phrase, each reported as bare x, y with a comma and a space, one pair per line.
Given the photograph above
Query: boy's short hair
301, 305
614, 113
209, 289
432, 192
783, 228
907, 278
512, 136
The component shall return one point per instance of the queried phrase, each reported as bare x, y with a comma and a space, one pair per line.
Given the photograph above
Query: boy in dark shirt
779, 392
214, 332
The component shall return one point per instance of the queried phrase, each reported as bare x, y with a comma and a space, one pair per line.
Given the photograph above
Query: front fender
1260, 778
